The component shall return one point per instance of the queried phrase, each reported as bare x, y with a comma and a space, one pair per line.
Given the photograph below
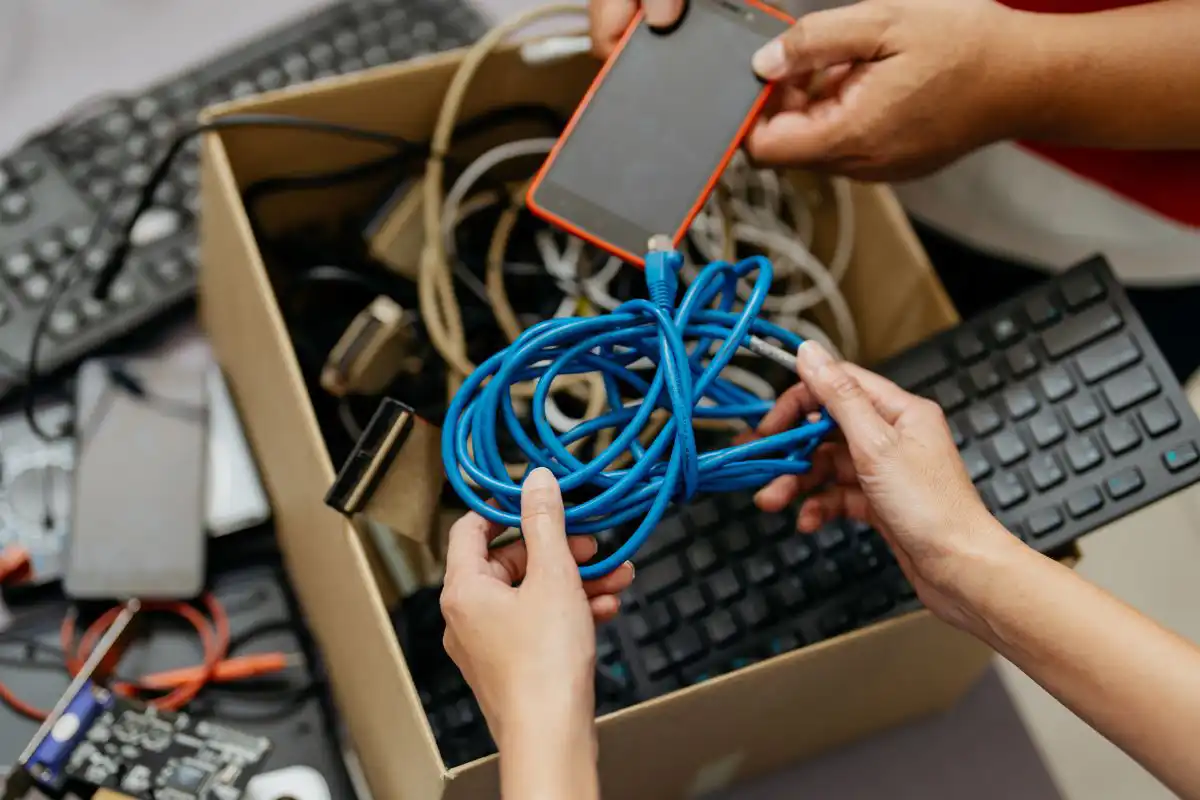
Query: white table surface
57, 53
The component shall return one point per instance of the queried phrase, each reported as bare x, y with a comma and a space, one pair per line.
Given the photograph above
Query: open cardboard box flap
694, 740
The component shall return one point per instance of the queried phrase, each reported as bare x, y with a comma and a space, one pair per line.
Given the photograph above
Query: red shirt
1163, 181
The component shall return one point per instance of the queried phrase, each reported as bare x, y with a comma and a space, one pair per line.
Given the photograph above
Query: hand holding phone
658, 126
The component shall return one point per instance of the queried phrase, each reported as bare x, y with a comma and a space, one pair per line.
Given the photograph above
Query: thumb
544, 527
823, 39
844, 397
663, 13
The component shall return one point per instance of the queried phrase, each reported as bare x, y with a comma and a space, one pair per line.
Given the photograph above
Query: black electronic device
1067, 417
145, 422
652, 136
53, 188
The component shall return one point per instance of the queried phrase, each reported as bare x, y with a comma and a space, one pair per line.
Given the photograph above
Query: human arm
907, 86
898, 470
528, 652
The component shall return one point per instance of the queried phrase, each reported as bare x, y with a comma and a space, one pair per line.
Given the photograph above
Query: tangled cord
670, 469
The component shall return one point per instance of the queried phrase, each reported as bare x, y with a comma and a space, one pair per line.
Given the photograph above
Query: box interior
836, 682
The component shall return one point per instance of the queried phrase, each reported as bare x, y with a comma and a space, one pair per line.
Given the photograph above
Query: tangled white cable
758, 208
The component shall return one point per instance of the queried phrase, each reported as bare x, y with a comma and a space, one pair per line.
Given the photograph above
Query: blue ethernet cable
670, 469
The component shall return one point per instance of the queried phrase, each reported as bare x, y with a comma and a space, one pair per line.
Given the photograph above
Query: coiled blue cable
669, 470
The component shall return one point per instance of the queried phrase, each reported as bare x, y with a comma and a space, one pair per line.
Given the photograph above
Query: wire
670, 469
181, 686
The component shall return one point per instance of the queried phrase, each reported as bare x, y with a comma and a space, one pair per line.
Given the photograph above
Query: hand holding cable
670, 469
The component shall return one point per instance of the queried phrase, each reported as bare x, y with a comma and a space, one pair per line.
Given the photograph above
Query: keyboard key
650, 623
1108, 357
1083, 454
1180, 458
760, 570
1041, 311
866, 559
921, 367
1005, 331
984, 419
725, 586
35, 288
1084, 502
785, 643
1020, 402
689, 602
1056, 384
977, 466
1046, 429
64, 323
794, 552
984, 377
1130, 388
830, 537
1009, 448
826, 576
754, 612
18, 266
1082, 288
1046, 472
1008, 491
656, 662
735, 539
834, 622
670, 533
1075, 332
701, 557
1021, 360
720, 628
1083, 412
788, 594
949, 395
1159, 417
1120, 436
1043, 522
14, 207
874, 603
660, 577
968, 347
684, 647
1124, 483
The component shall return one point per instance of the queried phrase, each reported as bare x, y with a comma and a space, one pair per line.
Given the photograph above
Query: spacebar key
1075, 332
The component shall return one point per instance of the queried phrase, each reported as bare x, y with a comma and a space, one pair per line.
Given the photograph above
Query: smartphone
657, 128
138, 502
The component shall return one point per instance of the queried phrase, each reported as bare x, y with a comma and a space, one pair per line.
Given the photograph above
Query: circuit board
108, 742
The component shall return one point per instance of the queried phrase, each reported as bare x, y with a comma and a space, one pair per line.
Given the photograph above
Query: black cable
112, 267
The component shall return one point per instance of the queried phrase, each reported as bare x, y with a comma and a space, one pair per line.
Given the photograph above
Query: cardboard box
695, 740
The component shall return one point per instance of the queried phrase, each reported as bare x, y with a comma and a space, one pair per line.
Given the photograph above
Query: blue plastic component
51, 755
678, 340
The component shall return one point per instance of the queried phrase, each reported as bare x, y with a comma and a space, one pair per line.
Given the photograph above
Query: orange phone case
710, 185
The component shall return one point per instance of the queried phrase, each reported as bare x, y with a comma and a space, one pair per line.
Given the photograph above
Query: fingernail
813, 356
632, 570
595, 547
770, 62
540, 477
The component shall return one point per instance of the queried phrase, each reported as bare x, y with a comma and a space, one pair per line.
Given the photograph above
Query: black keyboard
1066, 413
1067, 417
52, 188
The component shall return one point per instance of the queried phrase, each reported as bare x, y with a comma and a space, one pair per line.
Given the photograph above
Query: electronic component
53, 188
394, 477
139, 420
657, 128
374, 350
396, 234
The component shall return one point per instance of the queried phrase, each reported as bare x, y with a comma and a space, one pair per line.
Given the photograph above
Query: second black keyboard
53, 188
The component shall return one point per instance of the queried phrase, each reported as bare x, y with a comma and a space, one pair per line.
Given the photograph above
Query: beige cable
438, 300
